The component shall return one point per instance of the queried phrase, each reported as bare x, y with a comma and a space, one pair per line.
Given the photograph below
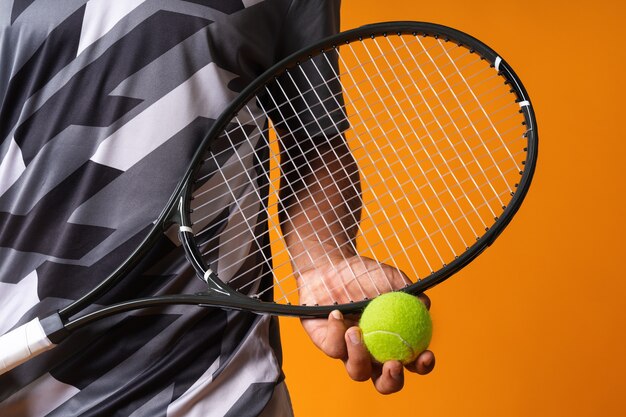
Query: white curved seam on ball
393, 334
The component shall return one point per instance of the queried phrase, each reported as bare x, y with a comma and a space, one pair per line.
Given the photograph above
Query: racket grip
23, 343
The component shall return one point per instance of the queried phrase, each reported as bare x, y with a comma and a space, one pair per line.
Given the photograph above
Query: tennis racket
382, 158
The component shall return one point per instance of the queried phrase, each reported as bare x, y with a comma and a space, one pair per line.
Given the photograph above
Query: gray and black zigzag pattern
102, 103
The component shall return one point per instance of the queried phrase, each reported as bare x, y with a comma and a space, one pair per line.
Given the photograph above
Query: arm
321, 195
321, 210
321, 206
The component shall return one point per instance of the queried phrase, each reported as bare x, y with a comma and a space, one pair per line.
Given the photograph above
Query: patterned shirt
102, 105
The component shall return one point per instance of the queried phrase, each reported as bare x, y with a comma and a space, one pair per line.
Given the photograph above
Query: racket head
437, 46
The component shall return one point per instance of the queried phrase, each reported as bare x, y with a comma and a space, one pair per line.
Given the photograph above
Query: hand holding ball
396, 326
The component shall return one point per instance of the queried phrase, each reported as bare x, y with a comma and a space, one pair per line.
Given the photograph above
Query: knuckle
335, 352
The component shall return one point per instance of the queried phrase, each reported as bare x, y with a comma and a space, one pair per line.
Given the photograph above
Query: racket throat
213, 283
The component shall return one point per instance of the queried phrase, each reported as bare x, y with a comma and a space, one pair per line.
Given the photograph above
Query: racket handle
22, 344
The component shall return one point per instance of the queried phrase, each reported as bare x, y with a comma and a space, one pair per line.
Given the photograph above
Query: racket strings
382, 260
339, 93
444, 199
393, 119
439, 153
286, 102
451, 119
463, 109
482, 108
365, 217
398, 149
364, 121
263, 116
354, 220
430, 85
400, 185
410, 246
245, 287
414, 245
393, 218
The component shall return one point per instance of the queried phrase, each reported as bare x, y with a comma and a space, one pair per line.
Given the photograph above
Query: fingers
358, 363
328, 334
424, 299
424, 363
344, 343
388, 378
340, 338
334, 345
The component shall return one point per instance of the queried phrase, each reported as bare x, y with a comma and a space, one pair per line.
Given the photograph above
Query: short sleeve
306, 101
306, 22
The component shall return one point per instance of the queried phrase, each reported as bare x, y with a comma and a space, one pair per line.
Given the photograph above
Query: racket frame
224, 296
177, 209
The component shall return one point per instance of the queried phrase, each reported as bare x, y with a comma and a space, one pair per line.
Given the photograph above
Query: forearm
320, 201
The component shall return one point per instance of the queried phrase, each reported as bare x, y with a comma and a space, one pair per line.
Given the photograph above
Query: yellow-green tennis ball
396, 326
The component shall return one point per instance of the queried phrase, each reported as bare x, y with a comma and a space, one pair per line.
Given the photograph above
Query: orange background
536, 326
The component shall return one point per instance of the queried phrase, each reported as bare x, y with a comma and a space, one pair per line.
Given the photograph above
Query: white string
354, 126
454, 123
485, 69
376, 128
385, 134
416, 243
408, 99
312, 261
486, 114
430, 135
374, 185
419, 139
399, 186
444, 131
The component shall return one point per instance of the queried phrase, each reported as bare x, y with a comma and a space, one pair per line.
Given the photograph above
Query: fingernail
428, 362
336, 315
355, 337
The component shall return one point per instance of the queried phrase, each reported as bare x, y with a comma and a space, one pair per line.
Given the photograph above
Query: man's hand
340, 337
320, 211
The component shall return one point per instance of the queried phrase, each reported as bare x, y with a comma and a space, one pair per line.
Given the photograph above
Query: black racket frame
176, 211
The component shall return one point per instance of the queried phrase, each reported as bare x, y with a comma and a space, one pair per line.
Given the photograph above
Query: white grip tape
19, 345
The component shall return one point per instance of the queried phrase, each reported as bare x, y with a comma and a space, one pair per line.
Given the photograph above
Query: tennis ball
396, 326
